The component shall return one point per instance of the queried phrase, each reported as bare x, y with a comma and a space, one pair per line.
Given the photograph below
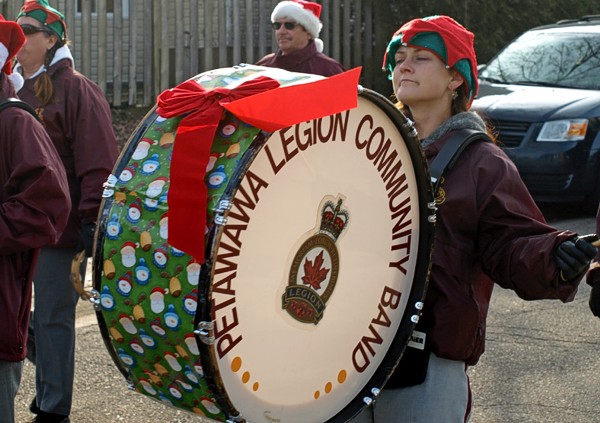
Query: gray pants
51, 345
445, 396
10, 378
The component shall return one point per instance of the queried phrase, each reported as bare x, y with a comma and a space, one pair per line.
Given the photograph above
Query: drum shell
160, 372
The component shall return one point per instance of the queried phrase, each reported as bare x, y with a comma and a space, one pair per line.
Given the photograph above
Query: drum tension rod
204, 330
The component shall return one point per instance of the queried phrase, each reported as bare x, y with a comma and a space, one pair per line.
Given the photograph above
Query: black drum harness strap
445, 160
15, 102
412, 368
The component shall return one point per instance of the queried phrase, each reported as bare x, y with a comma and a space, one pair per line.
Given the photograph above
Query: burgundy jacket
593, 275
34, 205
79, 122
488, 230
306, 60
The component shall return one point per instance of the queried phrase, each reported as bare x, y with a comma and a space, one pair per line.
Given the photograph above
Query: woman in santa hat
77, 117
33, 212
488, 229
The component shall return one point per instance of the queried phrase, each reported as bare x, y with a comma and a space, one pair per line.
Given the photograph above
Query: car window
561, 59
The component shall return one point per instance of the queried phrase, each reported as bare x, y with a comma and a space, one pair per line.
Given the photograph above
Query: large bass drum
318, 249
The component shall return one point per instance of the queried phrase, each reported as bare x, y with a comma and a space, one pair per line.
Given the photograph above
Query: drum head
316, 272
318, 247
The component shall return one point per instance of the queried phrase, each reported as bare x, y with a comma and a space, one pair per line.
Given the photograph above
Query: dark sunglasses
32, 29
288, 25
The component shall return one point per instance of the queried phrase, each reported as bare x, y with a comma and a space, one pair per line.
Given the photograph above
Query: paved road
542, 364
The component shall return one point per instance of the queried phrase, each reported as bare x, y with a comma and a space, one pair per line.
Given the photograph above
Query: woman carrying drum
488, 229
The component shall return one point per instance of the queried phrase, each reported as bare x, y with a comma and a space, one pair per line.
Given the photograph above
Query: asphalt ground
542, 363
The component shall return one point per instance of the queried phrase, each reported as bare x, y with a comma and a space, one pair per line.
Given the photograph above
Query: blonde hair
43, 87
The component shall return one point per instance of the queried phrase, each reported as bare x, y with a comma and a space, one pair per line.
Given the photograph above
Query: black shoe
33, 406
43, 417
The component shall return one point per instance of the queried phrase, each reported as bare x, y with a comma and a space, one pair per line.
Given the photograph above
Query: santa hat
306, 13
443, 36
41, 11
12, 39
158, 290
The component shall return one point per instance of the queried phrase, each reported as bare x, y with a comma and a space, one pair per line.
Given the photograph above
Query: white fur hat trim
3, 55
295, 11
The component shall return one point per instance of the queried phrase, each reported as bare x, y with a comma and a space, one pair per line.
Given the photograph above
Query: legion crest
314, 269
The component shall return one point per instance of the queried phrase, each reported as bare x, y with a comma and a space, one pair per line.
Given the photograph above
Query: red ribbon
255, 102
188, 193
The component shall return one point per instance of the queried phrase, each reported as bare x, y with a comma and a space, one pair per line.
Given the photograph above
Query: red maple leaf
314, 274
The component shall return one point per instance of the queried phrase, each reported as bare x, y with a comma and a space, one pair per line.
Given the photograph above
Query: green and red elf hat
41, 11
446, 38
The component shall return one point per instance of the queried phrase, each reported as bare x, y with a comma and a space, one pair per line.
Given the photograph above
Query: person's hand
86, 238
574, 256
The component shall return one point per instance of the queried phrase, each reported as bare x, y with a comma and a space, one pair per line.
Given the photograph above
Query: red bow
203, 110
188, 193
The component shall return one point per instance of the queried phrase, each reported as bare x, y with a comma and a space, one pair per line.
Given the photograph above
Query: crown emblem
333, 219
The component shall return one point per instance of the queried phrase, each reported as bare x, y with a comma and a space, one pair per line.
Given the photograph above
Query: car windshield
559, 59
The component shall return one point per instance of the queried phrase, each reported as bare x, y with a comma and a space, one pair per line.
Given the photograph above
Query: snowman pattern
142, 191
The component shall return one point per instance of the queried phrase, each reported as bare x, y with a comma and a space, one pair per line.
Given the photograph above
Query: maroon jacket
488, 230
34, 205
306, 60
79, 122
593, 275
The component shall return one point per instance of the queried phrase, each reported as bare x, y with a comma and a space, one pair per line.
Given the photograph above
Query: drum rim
417, 291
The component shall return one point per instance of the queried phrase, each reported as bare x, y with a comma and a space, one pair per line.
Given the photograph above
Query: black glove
86, 238
574, 256
595, 299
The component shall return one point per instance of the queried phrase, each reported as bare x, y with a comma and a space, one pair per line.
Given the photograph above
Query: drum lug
415, 317
432, 217
220, 220
410, 127
204, 332
95, 299
109, 186
369, 400
223, 206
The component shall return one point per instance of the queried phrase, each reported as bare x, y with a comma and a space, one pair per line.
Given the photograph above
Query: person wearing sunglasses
297, 26
77, 117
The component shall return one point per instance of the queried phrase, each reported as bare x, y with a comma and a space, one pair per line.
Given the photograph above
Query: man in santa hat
297, 26
33, 213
